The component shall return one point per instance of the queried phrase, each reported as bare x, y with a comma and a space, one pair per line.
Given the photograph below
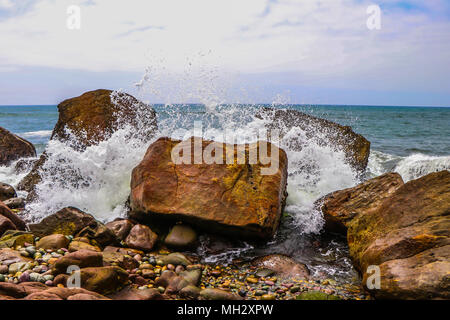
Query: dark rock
15, 203
6, 192
13, 148
68, 221
121, 228
324, 132
99, 235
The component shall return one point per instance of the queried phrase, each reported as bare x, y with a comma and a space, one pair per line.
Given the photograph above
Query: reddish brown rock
282, 265
99, 235
5, 225
21, 290
340, 207
121, 228
43, 296
66, 294
86, 297
9, 256
13, 148
130, 293
81, 258
408, 238
141, 238
323, 132
226, 198
93, 117
7, 213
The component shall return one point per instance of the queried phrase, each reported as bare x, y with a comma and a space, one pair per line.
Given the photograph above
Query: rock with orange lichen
238, 197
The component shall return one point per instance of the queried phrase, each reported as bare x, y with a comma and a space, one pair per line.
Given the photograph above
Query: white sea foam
418, 165
37, 134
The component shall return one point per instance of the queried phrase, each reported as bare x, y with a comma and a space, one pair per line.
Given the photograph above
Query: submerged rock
324, 132
233, 199
13, 147
408, 238
340, 207
92, 118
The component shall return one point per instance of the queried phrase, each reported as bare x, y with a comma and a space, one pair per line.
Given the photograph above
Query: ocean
412, 141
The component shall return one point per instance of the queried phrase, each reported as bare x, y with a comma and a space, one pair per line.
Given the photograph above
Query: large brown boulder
323, 132
408, 237
230, 198
340, 207
13, 148
92, 118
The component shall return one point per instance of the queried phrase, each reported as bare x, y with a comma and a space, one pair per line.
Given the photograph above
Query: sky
219, 51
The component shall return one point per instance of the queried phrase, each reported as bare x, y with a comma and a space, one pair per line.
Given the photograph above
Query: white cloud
319, 40
6, 4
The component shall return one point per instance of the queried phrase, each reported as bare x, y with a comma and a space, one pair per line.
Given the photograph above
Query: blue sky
214, 51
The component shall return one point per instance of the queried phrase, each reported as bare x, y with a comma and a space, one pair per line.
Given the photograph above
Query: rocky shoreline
403, 229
